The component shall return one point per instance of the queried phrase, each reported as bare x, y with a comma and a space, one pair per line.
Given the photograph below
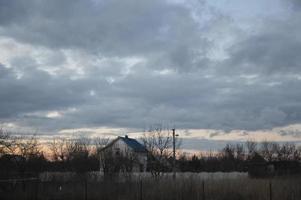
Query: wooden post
37, 189
203, 190
270, 190
140, 189
86, 189
174, 153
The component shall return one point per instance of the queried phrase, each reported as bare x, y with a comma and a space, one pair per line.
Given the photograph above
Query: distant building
125, 147
285, 167
259, 167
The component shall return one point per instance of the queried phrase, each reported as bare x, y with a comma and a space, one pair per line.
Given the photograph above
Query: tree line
237, 157
20, 156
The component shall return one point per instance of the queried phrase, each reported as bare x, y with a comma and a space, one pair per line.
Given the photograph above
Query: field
187, 186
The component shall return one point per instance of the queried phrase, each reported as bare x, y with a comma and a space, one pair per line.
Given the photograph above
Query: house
124, 154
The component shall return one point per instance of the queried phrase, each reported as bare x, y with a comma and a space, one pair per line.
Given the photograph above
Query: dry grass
183, 188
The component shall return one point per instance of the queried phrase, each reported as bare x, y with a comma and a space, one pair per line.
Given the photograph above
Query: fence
188, 188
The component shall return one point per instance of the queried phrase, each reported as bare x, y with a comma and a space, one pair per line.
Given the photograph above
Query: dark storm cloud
107, 26
254, 84
36, 90
272, 51
295, 5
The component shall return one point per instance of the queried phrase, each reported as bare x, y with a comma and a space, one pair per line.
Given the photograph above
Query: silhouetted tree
158, 141
267, 150
251, 147
58, 149
77, 154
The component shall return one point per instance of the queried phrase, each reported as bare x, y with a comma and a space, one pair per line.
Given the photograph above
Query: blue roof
134, 144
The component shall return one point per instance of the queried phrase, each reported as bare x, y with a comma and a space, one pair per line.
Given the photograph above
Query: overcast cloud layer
223, 65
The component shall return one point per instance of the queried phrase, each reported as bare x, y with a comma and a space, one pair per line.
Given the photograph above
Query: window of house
117, 151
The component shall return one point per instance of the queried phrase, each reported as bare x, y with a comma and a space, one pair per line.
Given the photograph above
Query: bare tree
298, 154
158, 142
22, 146
106, 161
78, 147
27, 147
3, 142
288, 151
251, 147
266, 150
105, 156
239, 152
275, 151
58, 148
228, 152
100, 143
24, 153
7, 143
73, 152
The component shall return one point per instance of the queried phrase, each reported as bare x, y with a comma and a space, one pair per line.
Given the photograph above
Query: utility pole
174, 152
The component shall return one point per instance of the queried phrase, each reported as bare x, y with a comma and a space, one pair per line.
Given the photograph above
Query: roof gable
134, 144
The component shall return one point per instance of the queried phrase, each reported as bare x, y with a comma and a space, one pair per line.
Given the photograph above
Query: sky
216, 70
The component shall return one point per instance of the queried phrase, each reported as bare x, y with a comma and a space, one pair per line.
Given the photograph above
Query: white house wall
121, 145
123, 148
